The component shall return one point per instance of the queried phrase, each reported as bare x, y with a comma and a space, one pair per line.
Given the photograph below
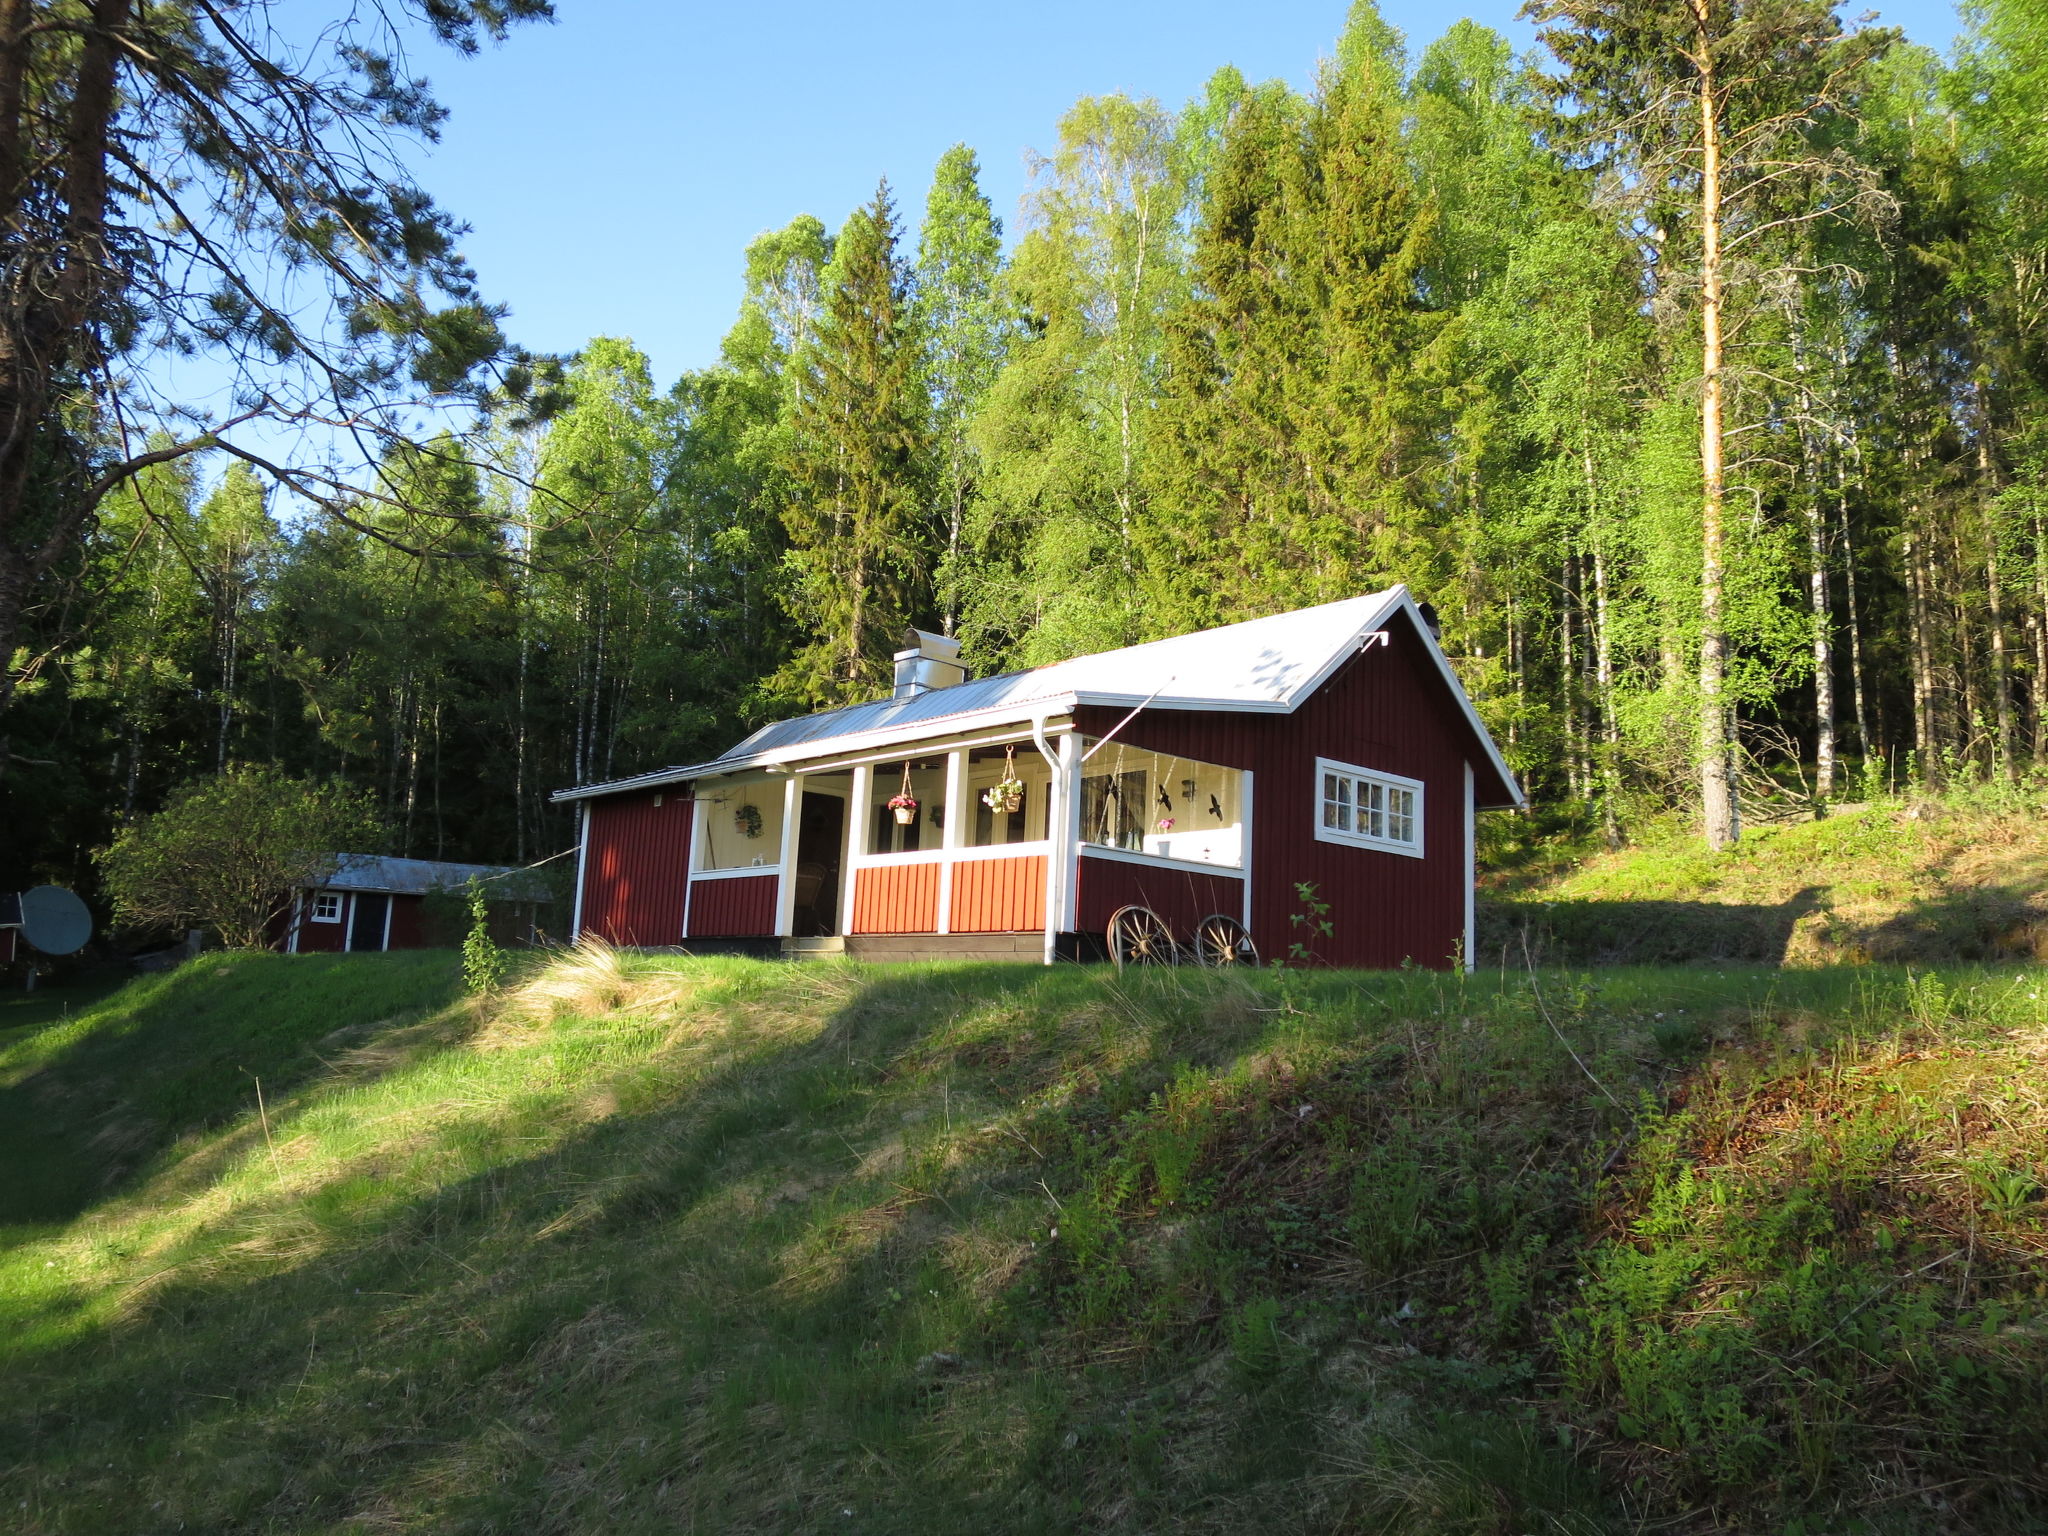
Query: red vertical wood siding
321, 938
897, 898
741, 908
999, 895
1181, 897
408, 928
635, 867
1386, 708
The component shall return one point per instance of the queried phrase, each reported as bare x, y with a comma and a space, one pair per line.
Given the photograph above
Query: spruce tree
859, 562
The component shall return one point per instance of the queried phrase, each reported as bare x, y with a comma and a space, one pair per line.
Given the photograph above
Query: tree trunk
1820, 602
2040, 641
1864, 744
1926, 767
1719, 812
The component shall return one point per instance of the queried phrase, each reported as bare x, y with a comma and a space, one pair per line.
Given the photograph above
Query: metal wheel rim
1221, 940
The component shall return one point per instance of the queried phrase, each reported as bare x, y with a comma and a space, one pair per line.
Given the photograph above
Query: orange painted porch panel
999, 895
896, 898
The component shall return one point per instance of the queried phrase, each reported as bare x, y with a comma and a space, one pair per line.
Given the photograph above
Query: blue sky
615, 164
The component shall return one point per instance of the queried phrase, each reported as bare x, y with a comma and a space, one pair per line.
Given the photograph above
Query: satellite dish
54, 921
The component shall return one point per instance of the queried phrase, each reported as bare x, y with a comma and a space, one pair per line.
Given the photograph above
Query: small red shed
371, 902
1011, 817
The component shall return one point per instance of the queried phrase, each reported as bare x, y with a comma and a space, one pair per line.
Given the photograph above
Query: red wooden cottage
1014, 817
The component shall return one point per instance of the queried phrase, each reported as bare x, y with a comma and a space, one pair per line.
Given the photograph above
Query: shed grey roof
418, 877
1262, 666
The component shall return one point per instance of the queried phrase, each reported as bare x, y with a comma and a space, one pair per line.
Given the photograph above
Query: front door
366, 928
820, 847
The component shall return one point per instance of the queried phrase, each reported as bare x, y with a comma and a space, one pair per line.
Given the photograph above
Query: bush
228, 850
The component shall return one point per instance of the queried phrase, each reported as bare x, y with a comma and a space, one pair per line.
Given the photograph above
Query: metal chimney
931, 661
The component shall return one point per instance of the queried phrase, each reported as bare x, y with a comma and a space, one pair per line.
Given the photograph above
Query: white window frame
320, 899
1365, 778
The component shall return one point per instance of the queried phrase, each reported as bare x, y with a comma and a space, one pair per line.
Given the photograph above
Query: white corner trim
1471, 874
582, 849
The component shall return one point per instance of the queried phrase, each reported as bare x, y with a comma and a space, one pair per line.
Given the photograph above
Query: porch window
991, 826
1368, 808
327, 907
742, 827
1167, 806
925, 779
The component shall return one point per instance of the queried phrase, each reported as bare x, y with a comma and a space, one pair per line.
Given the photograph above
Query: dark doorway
820, 846
366, 928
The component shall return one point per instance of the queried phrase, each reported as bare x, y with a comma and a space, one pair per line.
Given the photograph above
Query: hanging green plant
1007, 795
748, 819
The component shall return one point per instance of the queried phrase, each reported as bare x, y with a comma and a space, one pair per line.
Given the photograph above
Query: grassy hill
1924, 882
663, 1244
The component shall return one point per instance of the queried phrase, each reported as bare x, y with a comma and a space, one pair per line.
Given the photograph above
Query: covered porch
1014, 845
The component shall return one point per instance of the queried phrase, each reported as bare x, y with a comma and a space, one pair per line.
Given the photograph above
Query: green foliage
858, 561
229, 852
483, 961
1310, 925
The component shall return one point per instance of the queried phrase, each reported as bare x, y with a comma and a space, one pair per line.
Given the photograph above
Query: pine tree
1708, 109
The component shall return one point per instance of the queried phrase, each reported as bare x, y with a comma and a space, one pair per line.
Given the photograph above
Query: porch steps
813, 949
1025, 947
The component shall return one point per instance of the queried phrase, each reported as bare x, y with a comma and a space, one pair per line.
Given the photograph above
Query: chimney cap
924, 642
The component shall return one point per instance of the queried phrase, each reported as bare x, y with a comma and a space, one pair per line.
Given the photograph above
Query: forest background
1674, 447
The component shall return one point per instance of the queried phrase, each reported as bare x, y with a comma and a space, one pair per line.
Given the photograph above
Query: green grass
1923, 882
671, 1244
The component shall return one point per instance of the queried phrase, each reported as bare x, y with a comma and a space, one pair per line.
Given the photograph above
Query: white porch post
950, 835
856, 841
785, 885
1245, 840
1063, 833
695, 859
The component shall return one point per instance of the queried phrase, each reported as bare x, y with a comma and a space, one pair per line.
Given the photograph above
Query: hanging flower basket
748, 819
1163, 824
905, 807
1006, 795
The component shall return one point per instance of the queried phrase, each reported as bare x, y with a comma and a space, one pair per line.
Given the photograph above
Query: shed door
366, 928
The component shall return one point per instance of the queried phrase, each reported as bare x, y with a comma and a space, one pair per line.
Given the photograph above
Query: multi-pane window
327, 907
1373, 810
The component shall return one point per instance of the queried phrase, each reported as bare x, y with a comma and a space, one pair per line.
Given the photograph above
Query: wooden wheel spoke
1222, 940
1139, 936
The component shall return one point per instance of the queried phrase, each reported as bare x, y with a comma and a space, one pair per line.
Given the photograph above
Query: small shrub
483, 961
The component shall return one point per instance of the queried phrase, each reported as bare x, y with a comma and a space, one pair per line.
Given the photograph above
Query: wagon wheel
1139, 936
1222, 940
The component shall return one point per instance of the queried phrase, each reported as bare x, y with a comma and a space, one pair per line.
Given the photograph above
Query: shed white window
1367, 808
327, 907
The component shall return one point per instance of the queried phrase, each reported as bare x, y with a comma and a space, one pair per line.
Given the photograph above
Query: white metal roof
1261, 666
